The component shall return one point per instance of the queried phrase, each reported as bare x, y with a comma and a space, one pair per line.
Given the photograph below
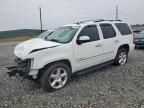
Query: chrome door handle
98, 45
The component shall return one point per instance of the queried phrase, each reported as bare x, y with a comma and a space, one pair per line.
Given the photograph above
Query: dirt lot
110, 87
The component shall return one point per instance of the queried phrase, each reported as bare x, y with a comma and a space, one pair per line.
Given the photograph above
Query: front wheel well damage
41, 71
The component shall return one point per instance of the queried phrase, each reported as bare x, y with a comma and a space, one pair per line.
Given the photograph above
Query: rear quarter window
123, 28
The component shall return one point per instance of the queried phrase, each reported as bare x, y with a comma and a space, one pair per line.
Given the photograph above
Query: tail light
133, 38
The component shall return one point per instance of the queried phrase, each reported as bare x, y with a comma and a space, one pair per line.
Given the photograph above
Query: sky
24, 14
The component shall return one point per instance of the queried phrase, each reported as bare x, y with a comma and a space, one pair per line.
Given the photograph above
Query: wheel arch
122, 47
126, 46
66, 61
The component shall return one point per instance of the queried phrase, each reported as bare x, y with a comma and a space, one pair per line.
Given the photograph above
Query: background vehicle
136, 31
78, 47
139, 39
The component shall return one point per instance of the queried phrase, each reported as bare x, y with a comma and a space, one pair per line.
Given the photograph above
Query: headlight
142, 40
24, 65
136, 40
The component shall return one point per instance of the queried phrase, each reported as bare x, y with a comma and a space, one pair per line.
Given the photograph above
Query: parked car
142, 31
136, 31
139, 39
73, 48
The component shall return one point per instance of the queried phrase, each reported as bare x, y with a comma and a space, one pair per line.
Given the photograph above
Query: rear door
110, 41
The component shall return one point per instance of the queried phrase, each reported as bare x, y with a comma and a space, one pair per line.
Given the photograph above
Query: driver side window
91, 31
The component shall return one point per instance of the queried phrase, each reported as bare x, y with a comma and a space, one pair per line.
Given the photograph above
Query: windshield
44, 34
142, 31
63, 34
140, 35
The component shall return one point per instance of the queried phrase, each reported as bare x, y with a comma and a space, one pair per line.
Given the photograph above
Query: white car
79, 47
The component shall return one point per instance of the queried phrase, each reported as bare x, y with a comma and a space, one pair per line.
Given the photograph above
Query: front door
89, 53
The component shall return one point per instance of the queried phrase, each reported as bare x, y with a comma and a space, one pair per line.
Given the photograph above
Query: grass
15, 39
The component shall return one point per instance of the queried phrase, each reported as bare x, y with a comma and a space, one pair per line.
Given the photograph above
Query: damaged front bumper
21, 69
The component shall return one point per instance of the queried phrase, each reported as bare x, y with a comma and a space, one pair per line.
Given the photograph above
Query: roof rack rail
97, 20
114, 20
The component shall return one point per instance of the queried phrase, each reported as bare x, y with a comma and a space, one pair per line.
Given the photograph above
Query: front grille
23, 66
139, 43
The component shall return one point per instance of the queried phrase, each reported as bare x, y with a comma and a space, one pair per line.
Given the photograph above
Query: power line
61, 9
66, 10
50, 5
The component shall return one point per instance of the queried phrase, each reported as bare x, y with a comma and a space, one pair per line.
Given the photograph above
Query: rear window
123, 28
108, 31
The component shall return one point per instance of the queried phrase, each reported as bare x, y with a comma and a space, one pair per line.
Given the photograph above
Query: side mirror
83, 39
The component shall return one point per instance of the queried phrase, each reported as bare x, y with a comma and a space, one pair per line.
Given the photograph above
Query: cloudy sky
22, 14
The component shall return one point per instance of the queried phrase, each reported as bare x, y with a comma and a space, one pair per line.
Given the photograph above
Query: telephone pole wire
41, 19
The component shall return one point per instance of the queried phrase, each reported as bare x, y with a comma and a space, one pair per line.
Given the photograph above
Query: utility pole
40, 19
117, 12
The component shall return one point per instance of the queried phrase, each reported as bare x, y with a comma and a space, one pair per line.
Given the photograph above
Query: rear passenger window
123, 28
108, 31
90, 31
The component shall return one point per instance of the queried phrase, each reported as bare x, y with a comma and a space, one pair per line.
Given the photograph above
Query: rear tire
55, 77
121, 57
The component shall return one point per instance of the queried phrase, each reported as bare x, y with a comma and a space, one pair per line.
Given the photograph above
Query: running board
90, 69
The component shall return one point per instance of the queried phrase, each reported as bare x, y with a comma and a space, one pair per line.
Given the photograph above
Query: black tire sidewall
47, 72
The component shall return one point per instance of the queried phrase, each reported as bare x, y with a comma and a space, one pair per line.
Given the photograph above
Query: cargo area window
123, 28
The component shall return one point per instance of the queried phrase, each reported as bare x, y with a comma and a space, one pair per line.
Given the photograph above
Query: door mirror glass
83, 39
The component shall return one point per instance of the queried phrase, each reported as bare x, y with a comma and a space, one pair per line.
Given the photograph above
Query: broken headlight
23, 65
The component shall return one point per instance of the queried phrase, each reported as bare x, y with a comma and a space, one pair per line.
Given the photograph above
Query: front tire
55, 77
121, 57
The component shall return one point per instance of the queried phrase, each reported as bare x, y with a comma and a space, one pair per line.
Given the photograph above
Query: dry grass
15, 39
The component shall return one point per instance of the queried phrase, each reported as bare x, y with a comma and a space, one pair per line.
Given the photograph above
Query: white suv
73, 48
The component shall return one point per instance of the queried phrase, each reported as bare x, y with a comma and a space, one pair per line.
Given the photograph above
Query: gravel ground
110, 87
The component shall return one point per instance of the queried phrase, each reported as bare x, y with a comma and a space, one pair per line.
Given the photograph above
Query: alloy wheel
122, 58
58, 78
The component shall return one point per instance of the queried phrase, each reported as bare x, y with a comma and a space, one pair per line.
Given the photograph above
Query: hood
24, 48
